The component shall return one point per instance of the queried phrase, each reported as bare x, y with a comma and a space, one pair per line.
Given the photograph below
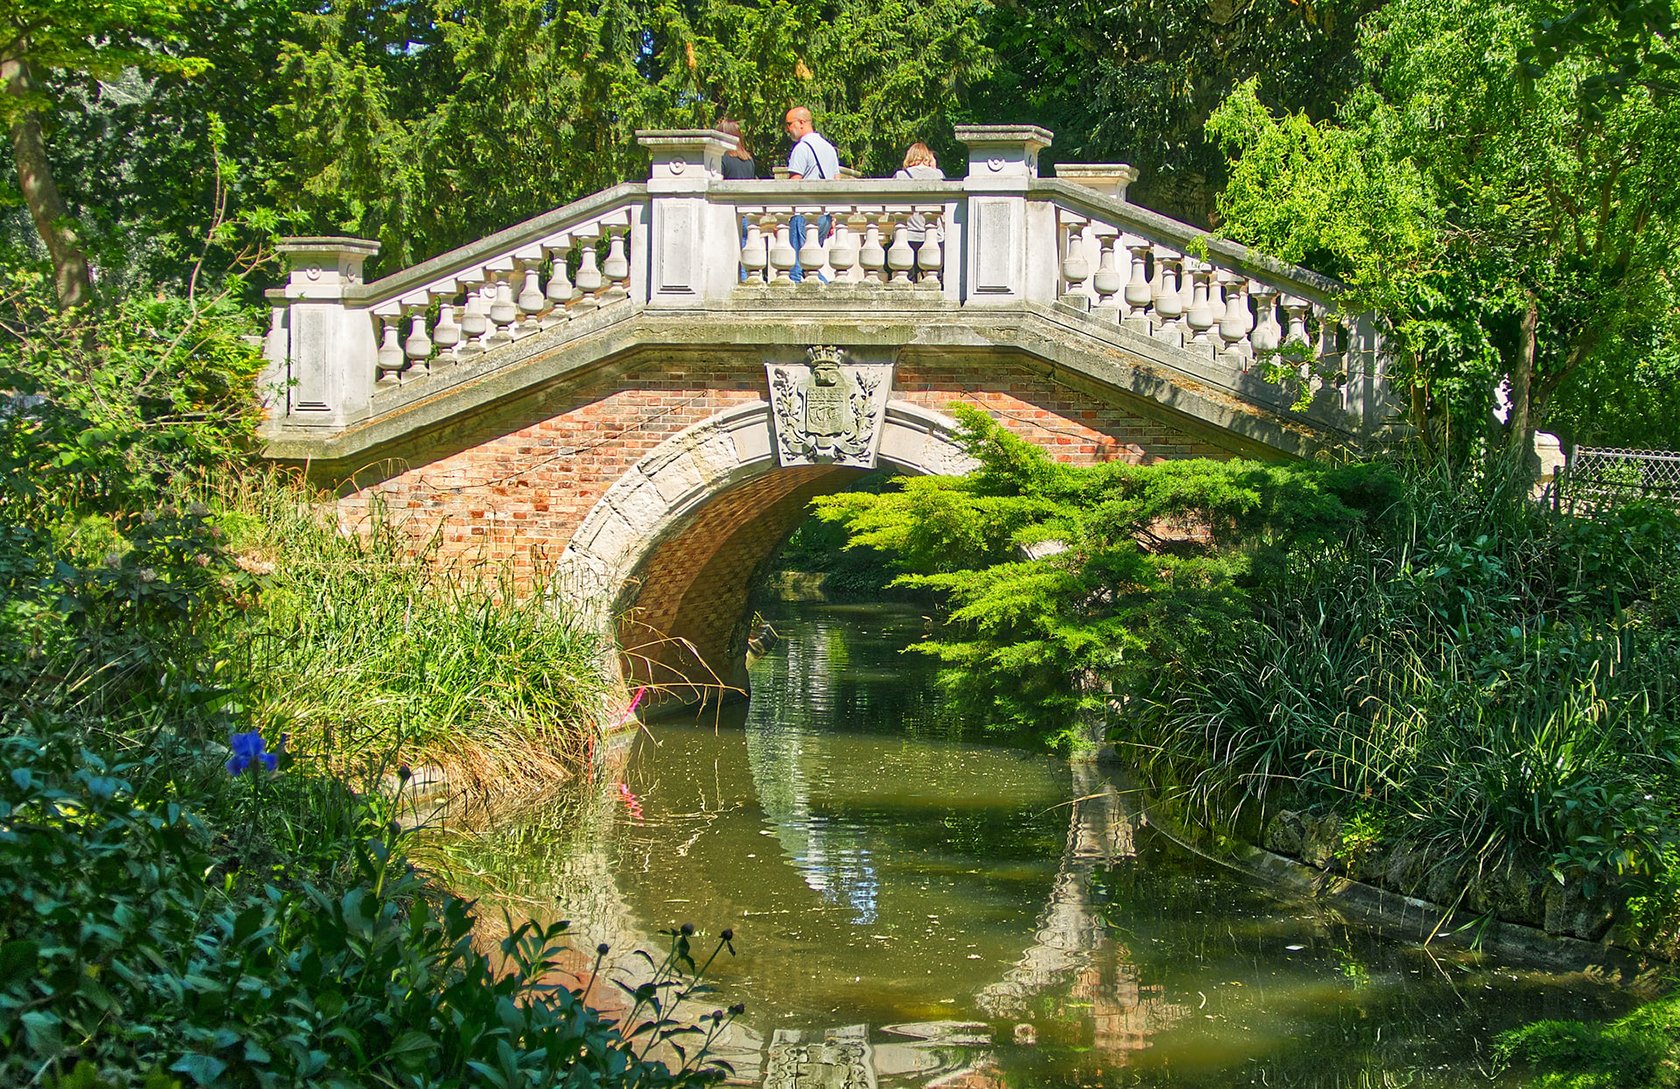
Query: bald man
813, 158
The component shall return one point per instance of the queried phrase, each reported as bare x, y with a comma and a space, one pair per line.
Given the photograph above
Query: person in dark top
738, 162
738, 165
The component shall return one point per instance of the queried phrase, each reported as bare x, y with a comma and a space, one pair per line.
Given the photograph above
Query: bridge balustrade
1073, 250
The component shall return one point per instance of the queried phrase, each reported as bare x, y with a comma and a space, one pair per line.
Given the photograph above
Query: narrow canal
912, 905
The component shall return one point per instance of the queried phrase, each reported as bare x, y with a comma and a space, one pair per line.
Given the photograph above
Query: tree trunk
1522, 382
40, 193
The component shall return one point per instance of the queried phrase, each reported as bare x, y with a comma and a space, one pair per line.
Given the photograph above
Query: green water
911, 906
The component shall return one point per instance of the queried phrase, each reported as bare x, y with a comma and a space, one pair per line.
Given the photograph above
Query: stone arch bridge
634, 391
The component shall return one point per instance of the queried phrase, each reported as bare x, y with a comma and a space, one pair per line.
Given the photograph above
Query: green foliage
1485, 679
1639, 1051
99, 38
429, 125
1470, 206
110, 417
113, 587
1064, 585
1134, 83
133, 949
165, 169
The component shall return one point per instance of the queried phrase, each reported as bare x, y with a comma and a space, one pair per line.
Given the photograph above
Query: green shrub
1064, 587
133, 945
1489, 678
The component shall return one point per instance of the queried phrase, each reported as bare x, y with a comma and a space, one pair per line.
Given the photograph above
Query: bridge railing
1232, 315
341, 350
1072, 248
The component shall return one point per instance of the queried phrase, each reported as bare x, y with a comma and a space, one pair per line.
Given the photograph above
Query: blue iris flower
249, 750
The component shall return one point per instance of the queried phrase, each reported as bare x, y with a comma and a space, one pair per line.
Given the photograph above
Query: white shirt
814, 158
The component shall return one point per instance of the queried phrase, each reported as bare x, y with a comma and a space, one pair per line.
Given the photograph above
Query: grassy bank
367, 650
199, 676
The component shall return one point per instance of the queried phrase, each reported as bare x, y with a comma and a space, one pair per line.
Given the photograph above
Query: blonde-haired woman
919, 165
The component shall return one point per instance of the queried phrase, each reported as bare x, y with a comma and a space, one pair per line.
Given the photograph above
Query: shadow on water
913, 907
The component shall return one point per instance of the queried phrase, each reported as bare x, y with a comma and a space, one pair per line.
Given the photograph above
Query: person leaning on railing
919, 165
738, 165
738, 162
813, 157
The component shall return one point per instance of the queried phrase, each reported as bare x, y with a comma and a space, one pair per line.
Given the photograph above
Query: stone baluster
502, 311
589, 278
931, 260
1236, 321
782, 254
559, 291
1295, 310
1268, 334
1200, 316
1331, 360
1076, 267
755, 257
843, 252
1139, 295
475, 321
390, 357
531, 303
872, 256
1168, 297
1107, 281
447, 335
900, 257
418, 345
811, 250
616, 268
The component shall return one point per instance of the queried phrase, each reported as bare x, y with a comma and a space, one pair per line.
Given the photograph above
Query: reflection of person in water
832, 856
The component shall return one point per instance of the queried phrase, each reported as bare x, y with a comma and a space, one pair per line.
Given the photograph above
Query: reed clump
1478, 692
372, 651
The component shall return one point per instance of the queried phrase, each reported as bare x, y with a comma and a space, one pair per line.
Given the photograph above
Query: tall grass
369, 650
1479, 677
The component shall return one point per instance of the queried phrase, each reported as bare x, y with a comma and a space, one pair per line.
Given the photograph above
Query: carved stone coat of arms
828, 411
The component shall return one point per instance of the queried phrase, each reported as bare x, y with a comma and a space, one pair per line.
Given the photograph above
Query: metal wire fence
1599, 477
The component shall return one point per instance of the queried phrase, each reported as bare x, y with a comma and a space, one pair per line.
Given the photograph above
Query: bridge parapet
1071, 249
341, 351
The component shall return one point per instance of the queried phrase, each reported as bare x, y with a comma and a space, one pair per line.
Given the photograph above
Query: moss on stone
1639, 1051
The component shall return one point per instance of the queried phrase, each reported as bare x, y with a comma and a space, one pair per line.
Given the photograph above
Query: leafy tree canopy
426, 125
1135, 82
1512, 229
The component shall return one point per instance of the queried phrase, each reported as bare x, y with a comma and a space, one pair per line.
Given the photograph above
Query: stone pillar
1011, 241
694, 246
1367, 395
1109, 179
322, 356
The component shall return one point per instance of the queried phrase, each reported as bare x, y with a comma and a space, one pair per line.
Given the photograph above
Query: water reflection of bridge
1065, 950
1067, 959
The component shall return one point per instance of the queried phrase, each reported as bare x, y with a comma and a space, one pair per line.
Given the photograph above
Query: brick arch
673, 545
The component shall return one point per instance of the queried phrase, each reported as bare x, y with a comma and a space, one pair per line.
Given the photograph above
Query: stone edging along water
1409, 917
